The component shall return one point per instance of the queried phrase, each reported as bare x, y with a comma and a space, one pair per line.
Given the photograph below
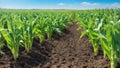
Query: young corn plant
1, 44
40, 28
104, 32
1, 38
89, 29
12, 36
112, 45
28, 33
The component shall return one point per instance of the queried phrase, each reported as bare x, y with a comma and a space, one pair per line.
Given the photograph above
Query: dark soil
65, 51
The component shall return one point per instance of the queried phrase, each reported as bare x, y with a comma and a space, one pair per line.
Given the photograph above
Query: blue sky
59, 4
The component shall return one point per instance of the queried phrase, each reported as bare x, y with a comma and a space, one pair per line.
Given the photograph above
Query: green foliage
19, 27
11, 35
103, 29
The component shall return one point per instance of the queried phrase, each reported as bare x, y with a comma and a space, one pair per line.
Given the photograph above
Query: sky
59, 4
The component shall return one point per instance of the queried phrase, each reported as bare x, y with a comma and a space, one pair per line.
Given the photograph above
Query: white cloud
88, 4
115, 5
61, 4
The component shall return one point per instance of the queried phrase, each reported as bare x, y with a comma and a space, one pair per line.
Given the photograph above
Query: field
60, 38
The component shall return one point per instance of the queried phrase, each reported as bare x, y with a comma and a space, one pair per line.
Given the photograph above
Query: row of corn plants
103, 29
19, 27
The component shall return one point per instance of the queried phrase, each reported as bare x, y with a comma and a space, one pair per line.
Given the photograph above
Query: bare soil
65, 51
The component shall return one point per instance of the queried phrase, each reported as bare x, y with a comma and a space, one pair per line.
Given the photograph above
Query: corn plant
1, 44
12, 36
1, 38
28, 33
102, 27
19, 27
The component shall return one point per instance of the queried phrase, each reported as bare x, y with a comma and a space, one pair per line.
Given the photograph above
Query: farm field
60, 38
